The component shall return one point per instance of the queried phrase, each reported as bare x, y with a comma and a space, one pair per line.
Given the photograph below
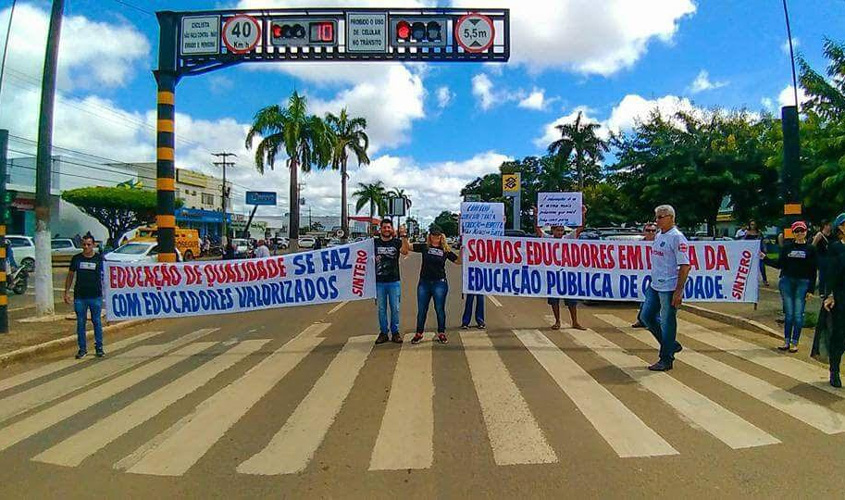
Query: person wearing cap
649, 232
554, 302
834, 297
433, 285
797, 262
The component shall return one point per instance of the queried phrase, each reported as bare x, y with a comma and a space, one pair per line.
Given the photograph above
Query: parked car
334, 242
307, 242
136, 252
516, 233
23, 248
242, 248
281, 242
623, 237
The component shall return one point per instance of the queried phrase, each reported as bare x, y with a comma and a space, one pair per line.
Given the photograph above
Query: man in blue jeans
388, 287
87, 268
669, 270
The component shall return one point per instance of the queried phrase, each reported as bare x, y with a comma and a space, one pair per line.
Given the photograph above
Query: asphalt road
299, 403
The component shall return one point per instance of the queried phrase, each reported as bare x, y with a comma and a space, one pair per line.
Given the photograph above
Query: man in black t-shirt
87, 268
388, 289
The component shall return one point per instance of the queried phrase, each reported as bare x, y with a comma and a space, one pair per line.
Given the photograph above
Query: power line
139, 9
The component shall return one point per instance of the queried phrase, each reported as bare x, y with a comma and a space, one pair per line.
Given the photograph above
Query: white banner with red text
720, 271
151, 290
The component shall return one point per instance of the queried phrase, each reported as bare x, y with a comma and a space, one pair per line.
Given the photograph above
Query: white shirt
668, 251
262, 252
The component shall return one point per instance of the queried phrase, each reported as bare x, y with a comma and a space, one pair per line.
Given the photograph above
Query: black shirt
797, 260
836, 272
387, 260
89, 276
433, 261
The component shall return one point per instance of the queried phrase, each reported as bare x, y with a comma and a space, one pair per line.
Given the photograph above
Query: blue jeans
659, 317
388, 292
81, 307
793, 292
479, 309
427, 290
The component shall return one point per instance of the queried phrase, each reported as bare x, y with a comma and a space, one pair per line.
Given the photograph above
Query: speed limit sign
241, 34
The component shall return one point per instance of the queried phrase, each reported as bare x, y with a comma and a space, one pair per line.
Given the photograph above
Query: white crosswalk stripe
823, 419
617, 425
514, 434
74, 450
177, 449
406, 437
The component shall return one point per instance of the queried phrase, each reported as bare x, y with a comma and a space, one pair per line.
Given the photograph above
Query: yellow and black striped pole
4, 300
166, 77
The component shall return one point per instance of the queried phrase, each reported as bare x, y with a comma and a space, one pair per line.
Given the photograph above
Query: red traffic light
403, 30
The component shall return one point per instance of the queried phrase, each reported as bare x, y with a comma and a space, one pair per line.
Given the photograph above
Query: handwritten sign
559, 209
483, 218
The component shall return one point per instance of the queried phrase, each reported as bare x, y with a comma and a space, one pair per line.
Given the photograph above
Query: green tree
372, 194
349, 137
118, 209
579, 144
607, 205
306, 139
826, 95
448, 222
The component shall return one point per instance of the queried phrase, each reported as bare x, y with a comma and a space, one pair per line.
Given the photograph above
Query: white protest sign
559, 209
483, 218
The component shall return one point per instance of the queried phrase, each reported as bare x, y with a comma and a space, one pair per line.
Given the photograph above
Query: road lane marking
621, 428
784, 364
66, 363
515, 436
177, 449
802, 409
23, 429
73, 450
494, 300
723, 424
406, 437
98, 370
337, 307
293, 447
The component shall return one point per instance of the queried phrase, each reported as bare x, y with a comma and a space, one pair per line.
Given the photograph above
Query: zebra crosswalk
405, 435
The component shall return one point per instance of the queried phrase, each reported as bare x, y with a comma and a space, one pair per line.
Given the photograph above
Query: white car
307, 242
282, 242
23, 250
137, 252
241, 247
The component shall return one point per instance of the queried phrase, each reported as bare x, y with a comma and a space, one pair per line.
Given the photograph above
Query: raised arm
406, 245
537, 228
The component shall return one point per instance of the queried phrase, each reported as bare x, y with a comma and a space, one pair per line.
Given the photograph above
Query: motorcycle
18, 280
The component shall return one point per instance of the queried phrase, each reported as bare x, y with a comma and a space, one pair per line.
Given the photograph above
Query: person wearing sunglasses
649, 232
798, 265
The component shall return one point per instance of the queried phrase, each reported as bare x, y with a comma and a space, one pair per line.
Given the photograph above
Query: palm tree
580, 138
374, 194
304, 138
400, 193
349, 136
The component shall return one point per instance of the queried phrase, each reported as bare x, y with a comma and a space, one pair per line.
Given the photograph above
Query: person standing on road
821, 242
797, 263
554, 302
754, 233
388, 287
87, 268
670, 267
229, 251
834, 298
262, 252
649, 232
433, 285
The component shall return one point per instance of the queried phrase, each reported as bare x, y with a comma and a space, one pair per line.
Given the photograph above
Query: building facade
202, 196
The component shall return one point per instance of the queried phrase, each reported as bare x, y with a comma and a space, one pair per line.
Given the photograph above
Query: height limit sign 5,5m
475, 33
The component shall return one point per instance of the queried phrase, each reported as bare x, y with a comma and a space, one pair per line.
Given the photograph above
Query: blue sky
434, 127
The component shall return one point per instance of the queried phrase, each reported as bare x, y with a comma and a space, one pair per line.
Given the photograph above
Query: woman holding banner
834, 300
433, 285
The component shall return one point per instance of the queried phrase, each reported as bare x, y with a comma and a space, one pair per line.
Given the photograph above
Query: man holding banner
388, 288
670, 266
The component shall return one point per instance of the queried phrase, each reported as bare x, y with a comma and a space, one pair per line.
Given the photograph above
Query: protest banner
721, 271
482, 218
559, 209
160, 290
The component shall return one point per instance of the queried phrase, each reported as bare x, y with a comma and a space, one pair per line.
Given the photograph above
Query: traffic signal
303, 32
418, 31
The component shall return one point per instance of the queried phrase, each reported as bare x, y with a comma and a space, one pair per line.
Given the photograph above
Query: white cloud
537, 100
787, 96
768, 103
482, 89
785, 45
589, 37
702, 83
444, 97
85, 60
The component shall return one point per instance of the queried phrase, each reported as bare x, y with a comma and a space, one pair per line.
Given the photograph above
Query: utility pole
4, 300
791, 170
6, 45
44, 304
224, 164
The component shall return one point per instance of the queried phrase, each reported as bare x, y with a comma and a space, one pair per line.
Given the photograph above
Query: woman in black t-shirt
435, 252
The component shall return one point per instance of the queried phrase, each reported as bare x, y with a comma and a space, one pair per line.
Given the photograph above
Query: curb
58, 344
731, 319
